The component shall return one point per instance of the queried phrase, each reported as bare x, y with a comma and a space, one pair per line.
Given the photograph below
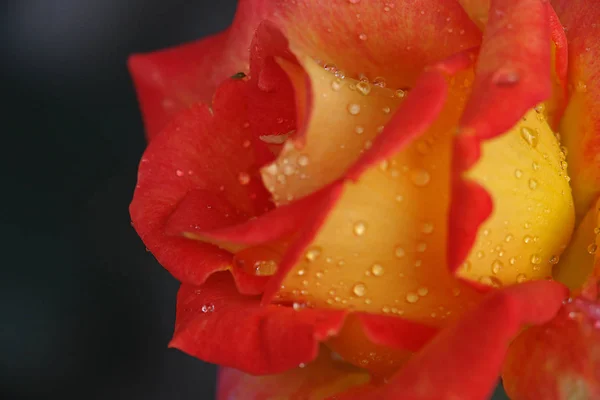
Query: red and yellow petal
171, 80
576, 265
203, 164
464, 360
580, 125
559, 360
509, 168
323, 377
384, 41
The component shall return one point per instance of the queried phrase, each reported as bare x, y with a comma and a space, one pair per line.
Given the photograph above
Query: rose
371, 173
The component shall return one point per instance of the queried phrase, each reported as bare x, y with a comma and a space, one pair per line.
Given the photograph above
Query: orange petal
559, 360
323, 377
464, 360
392, 40
580, 125
577, 262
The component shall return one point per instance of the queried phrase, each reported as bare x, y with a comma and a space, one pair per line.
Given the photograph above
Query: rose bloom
381, 200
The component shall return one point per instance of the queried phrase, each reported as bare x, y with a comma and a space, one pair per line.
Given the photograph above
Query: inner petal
383, 247
346, 116
525, 172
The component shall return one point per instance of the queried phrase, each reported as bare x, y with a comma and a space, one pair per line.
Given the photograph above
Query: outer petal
392, 40
508, 82
463, 361
580, 125
217, 324
200, 163
168, 81
559, 360
320, 379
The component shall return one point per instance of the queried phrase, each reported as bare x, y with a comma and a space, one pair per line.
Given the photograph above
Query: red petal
317, 380
559, 360
377, 38
217, 324
464, 360
580, 125
512, 76
171, 80
199, 158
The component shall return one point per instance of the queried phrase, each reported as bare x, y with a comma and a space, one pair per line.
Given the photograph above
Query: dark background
85, 311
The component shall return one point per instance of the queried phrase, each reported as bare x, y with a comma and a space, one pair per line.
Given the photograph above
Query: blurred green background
86, 312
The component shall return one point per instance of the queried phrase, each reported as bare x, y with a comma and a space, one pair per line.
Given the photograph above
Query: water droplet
353, 1
301, 272
554, 260
427, 228
289, 169
399, 252
359, 289
303, 160
359, 129
336, 85
362, 36
508, 238
530, 136
505, 77
312, 254
521, 278
535, 166
490, 281
597, 230
592, 248
243, 178
377, 269
179, 173
421, 247
400, 93
527, 239
386, 110
359, 228
206, 308
379, 81
364, 88
354, 109
412, 297
422, 291
535, 259
518, 173
497, 266
420, 177
480, 254
533, 184
265, 268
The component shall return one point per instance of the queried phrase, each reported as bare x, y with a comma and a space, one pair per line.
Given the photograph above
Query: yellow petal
525, 172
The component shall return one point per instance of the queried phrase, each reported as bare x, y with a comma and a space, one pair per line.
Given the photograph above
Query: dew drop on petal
420, 177
521, 278
412, 297
592, 248
312, 254
359, 289
359, 228
354, 109
399, 252
530, 136
377, 269
243, 178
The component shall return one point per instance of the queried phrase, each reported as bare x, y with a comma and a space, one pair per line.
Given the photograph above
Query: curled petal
171, 80
182, 175
580, 125
217, 324
464, 360
512, 76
